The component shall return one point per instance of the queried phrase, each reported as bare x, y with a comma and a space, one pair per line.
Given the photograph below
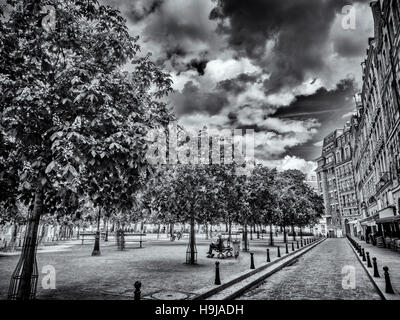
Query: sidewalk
384, 257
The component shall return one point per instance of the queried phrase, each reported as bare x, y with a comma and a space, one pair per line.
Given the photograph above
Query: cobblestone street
317, 275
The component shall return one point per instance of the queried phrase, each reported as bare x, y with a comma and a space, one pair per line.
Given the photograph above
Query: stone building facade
336, 181
374, 133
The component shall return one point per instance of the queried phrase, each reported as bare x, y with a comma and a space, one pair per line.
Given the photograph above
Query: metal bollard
361, 250
388, 288
297, 244
279, 252
302, 243
287, 249
137, 293
217, 278
252, 261
292, 246
369, 265
376, 273
363, 255
268, 259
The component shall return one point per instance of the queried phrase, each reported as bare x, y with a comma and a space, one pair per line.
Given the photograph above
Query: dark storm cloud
348, 46
199, 65
239, 84
145, 9
328, 107
135, 10
299, 28
193, 99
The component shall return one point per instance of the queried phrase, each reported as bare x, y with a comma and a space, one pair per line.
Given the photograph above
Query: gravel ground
160, 266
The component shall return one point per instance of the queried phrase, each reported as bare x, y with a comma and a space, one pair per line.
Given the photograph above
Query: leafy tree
263, 197
185, 194
77, 121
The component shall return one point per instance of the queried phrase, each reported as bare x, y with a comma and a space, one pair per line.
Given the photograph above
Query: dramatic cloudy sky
285, 68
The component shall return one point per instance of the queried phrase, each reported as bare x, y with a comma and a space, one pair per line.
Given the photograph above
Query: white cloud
291, 163
219, 70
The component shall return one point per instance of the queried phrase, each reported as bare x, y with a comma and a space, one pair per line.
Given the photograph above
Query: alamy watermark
49, 21
49, 278
202, 147
349, 18
349, 277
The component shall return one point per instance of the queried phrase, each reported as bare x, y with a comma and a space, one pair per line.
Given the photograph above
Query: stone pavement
384, 257
317, 275
160, 266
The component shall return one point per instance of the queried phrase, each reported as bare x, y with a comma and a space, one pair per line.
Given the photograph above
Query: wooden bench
135, 235
225, 252
397, 245
233, 234
90, 236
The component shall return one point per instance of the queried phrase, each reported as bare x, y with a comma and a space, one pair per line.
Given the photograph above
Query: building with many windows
368, 177
336, 182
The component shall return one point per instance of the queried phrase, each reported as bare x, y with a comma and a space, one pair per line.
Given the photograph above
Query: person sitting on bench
218, 246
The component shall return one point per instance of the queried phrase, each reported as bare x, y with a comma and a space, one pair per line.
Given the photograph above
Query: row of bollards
365, 257
252, 265
138, 284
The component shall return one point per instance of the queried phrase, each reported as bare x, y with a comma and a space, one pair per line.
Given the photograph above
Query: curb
213, 290
381, 292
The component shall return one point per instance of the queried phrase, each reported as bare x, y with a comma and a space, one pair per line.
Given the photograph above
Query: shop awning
370, 221
388, 219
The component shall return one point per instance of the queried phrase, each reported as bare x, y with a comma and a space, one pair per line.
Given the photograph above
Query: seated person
218, 246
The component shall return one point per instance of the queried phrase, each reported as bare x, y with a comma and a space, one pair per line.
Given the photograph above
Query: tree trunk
301, 233
96, 248
294, 233
245, 240
284, 234
13, 240
42, 234
192, 244
230, 230
251, 232
26, 268
206, 230
271, 235
106, 236
158, 231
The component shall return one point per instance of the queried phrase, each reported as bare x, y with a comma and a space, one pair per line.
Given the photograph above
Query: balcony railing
383, 181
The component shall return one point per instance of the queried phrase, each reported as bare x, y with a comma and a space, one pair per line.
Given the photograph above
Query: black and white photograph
208, 153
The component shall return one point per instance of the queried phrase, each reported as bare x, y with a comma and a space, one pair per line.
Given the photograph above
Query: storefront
389, 227
368, 227
388, 223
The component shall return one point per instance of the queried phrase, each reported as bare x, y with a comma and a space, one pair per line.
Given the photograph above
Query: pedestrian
218, 246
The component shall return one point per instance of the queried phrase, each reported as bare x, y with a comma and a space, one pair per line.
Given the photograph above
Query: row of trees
73, 127
212, 194
72, 122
